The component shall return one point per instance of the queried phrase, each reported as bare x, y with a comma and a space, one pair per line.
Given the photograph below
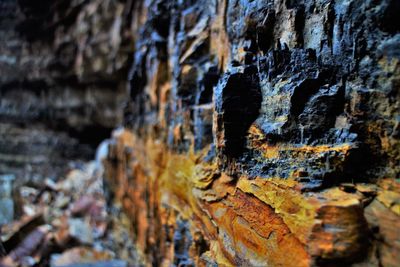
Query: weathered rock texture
257, 132
63, 68
262, 133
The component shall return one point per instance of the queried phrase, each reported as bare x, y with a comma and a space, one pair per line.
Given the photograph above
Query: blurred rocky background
63, 69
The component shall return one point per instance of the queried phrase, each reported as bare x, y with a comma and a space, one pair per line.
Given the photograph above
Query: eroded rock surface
262, 133
257, 132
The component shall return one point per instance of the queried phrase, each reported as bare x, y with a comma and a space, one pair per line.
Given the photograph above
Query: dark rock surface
303, 73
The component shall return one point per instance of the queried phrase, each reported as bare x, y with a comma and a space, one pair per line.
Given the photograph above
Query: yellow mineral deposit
246, 222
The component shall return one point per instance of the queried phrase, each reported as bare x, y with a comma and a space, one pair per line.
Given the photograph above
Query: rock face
262, 133
256, 132
63, 68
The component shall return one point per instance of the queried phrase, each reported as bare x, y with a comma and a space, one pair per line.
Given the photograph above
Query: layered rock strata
262, 133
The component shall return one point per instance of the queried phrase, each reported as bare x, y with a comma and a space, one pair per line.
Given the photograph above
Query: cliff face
262, 133
63, 68
257, 132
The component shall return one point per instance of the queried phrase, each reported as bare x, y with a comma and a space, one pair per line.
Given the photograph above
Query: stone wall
262, 133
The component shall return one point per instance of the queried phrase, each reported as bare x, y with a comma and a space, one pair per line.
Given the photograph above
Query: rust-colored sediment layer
242, 221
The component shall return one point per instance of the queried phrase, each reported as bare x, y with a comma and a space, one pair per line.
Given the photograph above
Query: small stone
80, 230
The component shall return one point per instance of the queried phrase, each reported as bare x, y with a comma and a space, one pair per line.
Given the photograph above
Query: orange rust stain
296, 210
258, 141
273, 151
251, 233
219, 41
247, 222
342, 231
